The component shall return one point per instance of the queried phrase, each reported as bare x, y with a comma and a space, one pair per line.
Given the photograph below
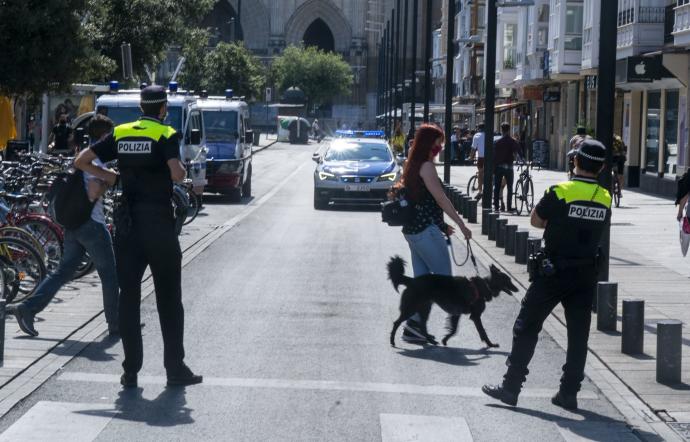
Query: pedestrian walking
506, 150
60, 137
454, 140
398, 140
574, 215
478, 154
148, 155
425, 233
574, 144
91, 237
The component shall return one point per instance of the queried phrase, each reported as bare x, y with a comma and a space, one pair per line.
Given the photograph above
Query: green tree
149, 26
194, 49
231, 65
42, 45
321, 75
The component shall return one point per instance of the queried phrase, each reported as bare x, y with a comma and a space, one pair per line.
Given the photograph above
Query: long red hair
423, 143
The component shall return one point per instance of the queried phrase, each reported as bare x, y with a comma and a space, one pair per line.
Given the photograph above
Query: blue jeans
429, 255
91, 237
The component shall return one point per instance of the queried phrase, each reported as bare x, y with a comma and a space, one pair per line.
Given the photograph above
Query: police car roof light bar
203, 94
114, 86
228, 94
172, 87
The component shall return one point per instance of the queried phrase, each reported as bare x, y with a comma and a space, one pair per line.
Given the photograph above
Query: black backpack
69, 199
399, 211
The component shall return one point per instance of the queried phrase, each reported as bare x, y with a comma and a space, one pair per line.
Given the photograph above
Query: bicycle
473, 183
616, 188
524, 189
22, 269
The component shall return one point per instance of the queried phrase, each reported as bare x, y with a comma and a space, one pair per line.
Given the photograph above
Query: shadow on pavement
451, 356
581, 426
168, 409
217, 199
354, 208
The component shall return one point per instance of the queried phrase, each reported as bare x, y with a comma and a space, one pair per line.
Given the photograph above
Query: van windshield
122, 115
220, 126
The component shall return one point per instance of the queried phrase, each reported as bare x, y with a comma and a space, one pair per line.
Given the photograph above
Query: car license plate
357, 188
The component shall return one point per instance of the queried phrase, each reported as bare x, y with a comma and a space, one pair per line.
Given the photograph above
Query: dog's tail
396, 272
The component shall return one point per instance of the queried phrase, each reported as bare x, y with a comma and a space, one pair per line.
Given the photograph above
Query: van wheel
235, 195
247, 186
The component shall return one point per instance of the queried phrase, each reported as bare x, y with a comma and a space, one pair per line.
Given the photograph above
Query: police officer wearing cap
574, 215
148, 157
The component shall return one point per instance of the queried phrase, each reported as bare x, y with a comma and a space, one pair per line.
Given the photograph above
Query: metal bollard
461, 205
632, 342
607, 306
509, 244
466, 206
472, 207
521, 246
493, 217
485, 221
456, 198
668, 351
501, 232
3, 315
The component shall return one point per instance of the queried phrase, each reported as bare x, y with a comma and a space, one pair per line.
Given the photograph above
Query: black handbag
398, 211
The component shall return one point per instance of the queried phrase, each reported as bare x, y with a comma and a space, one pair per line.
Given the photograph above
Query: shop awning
503, 107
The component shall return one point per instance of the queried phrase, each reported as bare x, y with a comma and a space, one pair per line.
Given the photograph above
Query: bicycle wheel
193, 208
519, 197
472, 186
528, 194
616, 192
16, 232
22, 267
48, 235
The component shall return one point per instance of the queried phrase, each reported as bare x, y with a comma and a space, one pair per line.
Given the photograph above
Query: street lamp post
386, 68
450, 55
391, 73
397, 64
404, 59
413, 69
606, 96
427, 59
490, 103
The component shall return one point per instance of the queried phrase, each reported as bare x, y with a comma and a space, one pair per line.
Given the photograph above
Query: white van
220, 125
123, 107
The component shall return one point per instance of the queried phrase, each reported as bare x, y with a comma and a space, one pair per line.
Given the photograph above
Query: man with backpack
78, 204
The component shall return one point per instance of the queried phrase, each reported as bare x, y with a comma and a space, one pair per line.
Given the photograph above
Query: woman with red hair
426, 232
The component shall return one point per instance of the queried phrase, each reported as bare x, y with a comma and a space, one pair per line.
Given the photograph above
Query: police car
354, 171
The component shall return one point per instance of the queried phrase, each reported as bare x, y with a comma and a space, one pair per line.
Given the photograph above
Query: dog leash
469, 256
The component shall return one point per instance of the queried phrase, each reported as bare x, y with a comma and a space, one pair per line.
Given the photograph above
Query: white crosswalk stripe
60, 421
413, 428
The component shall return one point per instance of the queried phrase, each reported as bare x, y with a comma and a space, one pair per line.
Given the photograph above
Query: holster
539, 266
122, 217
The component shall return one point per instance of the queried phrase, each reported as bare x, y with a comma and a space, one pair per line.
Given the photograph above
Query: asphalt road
287, 317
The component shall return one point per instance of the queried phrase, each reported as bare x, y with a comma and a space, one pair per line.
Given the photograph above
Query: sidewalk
647, 264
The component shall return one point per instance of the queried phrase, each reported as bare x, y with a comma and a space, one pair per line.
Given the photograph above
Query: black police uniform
576, 212
148, 237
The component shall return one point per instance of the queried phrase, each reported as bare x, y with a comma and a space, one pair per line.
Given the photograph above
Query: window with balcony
573, 27
626, 16
683, 2
669, 23
543, 15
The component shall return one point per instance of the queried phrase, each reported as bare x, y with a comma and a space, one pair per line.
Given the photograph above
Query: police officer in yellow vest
574, 215
148, 157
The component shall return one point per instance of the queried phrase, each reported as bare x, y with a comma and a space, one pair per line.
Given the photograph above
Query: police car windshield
358, 152
220, 126
122, 115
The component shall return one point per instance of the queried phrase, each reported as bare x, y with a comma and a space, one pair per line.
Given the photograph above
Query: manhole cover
682, 428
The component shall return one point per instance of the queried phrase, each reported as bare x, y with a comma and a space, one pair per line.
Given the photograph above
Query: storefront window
671, 131
653, 131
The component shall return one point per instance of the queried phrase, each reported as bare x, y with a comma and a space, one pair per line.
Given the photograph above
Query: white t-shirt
478, 144
97, 213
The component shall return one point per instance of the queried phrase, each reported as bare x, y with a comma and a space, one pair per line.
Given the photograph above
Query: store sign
552, 96
639, 70
534, 93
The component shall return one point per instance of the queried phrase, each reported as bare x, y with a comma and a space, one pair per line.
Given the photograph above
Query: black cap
581, 130
153, 94
592, 150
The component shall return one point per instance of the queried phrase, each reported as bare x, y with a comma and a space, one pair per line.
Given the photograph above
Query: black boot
129, 380
501, 393
567, 401
183, 376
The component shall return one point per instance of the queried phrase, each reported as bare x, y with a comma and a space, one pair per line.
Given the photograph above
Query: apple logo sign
640, 69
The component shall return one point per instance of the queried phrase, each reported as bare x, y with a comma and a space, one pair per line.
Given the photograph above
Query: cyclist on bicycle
620, 151
478, 153
506, 150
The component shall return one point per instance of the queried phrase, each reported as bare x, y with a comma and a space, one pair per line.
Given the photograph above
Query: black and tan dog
456, 295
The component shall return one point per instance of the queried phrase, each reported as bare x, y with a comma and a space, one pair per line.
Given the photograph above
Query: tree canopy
321, 75
231, 65
39, 42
